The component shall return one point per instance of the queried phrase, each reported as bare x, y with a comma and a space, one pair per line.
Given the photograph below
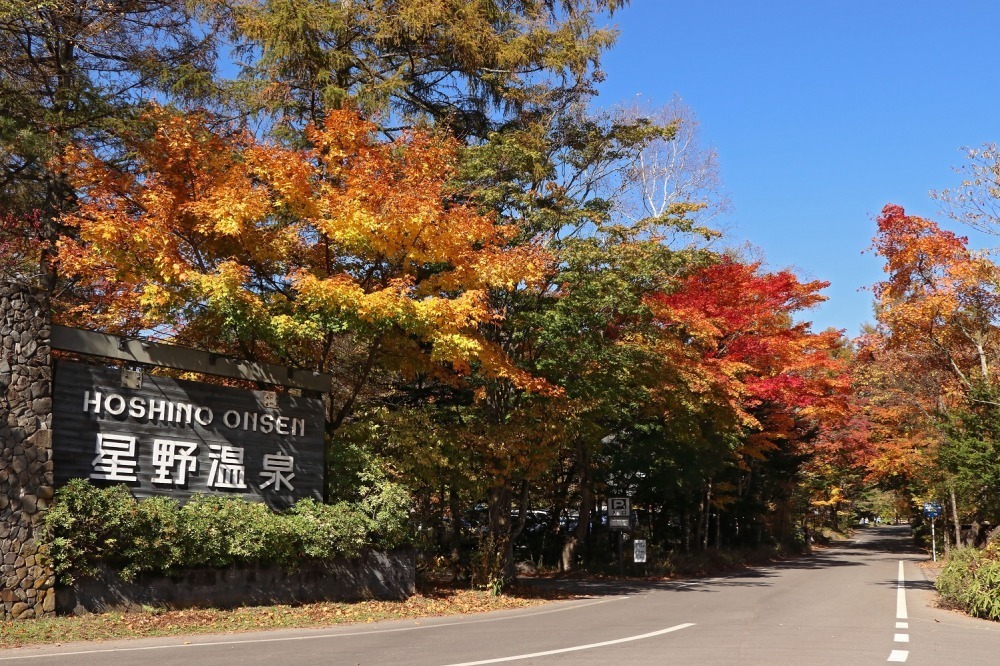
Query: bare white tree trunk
954, 515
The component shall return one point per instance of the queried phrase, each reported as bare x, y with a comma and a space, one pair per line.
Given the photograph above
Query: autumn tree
597, 338
79, 70
736, 344
975, 202
893, 435
938, 296
469, 65
939, 308
671, 171
295, 255
583, 333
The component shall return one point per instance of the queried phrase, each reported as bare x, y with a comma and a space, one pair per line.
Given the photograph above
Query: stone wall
26, 486
375, 575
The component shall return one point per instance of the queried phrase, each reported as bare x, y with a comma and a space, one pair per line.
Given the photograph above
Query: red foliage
778, 374
20, 243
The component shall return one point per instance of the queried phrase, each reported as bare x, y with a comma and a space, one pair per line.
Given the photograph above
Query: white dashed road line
901, 619
901, 595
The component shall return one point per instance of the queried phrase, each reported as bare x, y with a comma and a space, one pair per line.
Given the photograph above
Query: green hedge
89, 526
971, 581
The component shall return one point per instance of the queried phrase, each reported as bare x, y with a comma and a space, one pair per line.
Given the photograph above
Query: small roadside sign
619, 513
932, 510
639, 550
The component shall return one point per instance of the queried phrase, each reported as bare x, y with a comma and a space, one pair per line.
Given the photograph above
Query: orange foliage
939, 300
895, 401
289, 247
936, 337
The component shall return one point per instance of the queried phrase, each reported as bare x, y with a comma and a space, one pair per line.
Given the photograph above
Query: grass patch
433, 601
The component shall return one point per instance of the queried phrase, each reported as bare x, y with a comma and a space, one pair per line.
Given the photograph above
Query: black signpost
163, 436
619, 521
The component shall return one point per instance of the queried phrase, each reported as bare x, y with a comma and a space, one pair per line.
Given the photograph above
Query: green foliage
970, 453
971, 581
70, 70
456, 62
89, 527
873, 501
358, 476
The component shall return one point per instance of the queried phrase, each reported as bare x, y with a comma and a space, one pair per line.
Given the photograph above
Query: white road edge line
898, 655
901, 595
300, 638
577, 647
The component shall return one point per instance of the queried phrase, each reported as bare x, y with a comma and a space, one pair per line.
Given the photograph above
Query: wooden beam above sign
145, 352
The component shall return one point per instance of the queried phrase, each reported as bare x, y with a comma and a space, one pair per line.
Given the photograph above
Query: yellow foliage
351, 232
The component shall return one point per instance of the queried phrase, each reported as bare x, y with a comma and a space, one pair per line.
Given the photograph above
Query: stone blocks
28, 586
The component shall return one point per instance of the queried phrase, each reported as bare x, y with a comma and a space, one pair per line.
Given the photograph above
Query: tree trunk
510, 566
954, 515
718, 529
699, 523
455, 507
686, 526
500, 529
805, 533
557, 511
983, 366
708, 515
573, 541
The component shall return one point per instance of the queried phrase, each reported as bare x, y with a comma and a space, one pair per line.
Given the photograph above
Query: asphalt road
844, 605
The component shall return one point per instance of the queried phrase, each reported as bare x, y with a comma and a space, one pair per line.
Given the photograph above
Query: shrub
971, 581
322, 530
90, 527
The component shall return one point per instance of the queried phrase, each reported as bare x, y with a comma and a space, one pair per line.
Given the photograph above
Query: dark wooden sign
178, 438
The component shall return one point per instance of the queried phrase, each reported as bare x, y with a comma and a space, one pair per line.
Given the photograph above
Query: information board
619, 513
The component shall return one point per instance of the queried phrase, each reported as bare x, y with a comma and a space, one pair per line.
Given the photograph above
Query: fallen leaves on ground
439, 601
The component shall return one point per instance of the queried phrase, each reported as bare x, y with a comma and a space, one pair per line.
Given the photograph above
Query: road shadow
888, 540
891, 540
909, 584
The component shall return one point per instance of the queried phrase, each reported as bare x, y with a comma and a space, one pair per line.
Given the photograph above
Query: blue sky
821, 114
